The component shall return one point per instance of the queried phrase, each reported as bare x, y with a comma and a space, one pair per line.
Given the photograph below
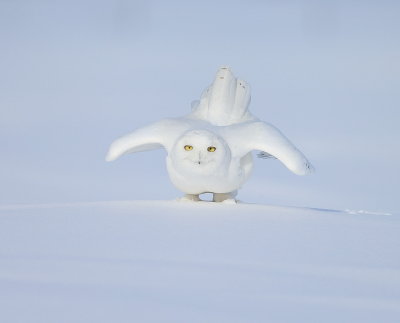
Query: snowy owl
210, 149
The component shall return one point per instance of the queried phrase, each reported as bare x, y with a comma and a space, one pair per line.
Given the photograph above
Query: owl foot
228, 198
189, 198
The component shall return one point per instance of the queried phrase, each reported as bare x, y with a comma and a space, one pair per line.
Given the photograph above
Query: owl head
201, 152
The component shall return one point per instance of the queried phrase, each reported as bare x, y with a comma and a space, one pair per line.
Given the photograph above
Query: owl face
200, 151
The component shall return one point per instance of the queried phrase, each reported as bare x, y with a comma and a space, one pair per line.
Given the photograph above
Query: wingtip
110, 157
305, 169
309, 169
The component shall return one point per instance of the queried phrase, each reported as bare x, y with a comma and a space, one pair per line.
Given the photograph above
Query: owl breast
200, 161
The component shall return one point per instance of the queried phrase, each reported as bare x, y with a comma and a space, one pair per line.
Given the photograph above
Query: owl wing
266, 138
161, 134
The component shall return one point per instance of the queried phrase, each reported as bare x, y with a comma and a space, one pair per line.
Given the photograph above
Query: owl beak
200, 157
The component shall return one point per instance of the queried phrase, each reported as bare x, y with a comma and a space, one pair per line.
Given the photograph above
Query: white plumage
209, 150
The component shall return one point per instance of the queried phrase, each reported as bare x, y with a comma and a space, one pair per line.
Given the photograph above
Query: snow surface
169, 261
76, 74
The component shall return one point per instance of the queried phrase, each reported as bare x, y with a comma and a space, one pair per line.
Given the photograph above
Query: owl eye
188, 147
211, 149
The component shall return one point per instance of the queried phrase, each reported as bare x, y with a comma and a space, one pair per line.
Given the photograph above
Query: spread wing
261, 136
161, 134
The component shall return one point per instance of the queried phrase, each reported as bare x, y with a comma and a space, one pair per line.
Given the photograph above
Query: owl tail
225, 101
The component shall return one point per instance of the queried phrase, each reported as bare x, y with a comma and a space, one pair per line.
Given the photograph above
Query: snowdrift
169, 261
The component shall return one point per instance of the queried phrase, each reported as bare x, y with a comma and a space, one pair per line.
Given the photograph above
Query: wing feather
157, 135
266, 138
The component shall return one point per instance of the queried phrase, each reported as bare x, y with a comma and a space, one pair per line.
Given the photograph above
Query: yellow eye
211, 149
188, 147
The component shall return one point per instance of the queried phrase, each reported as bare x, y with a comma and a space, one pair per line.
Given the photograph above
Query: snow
170, 261
76, 74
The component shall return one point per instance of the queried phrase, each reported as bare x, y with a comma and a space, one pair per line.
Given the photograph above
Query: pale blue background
74, 75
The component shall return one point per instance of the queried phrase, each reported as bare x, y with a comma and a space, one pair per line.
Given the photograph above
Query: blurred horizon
75, 75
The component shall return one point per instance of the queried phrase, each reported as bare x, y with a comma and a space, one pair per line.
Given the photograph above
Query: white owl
209, 150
